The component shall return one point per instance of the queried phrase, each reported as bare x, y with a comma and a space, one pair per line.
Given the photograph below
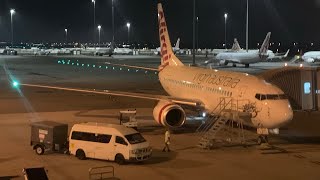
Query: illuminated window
307, 88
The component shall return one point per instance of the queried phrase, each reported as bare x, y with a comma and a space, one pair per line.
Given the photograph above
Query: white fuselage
239, 57
208, 86
311, 56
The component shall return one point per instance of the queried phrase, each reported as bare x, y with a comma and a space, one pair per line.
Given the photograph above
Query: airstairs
228, 110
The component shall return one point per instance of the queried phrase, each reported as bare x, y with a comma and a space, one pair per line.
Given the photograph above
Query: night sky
45, 20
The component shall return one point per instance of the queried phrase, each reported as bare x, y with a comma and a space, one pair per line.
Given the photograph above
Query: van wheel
120, 159
39, 149
80, 154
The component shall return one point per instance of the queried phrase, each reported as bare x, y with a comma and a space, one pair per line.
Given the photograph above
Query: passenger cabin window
120, 140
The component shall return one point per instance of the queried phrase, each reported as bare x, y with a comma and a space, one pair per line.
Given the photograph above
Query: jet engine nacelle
169, 114
310, 60
223, 62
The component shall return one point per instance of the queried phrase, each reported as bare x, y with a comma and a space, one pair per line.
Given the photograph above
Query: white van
108, 142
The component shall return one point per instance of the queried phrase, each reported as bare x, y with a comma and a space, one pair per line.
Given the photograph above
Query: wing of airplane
282, 54
195, 103
131, 66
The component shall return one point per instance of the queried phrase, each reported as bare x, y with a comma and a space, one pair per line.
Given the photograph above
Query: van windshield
135, 138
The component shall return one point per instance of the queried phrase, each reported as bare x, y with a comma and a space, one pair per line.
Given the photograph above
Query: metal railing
98, 173
225, 103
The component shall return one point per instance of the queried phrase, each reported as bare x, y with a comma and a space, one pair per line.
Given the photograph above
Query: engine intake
169, 114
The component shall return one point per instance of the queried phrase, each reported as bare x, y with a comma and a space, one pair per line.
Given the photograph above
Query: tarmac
294, 154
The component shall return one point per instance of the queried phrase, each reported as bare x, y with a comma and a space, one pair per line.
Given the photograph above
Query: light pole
112, 43
197, 47
128, 26
66, 31
12, 12
225, 29
194, 33
247, 27
99, 29
94, 22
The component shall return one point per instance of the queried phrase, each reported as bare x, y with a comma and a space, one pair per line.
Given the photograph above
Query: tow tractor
128, 119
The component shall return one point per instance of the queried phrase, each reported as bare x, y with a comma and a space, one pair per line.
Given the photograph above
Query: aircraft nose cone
281, 115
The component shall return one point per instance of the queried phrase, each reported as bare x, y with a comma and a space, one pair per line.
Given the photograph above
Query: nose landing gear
263, 136
262, 139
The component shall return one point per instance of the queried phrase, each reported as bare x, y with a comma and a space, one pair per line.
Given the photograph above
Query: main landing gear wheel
246, 65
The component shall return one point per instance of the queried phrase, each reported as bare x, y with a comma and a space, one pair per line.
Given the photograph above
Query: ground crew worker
166, 141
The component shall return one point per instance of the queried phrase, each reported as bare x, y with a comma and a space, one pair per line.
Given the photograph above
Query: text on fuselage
225, 81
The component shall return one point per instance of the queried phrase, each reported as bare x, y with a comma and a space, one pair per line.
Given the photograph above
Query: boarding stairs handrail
213, 117
224, 103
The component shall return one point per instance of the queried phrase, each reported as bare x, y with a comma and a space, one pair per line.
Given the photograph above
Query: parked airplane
271, 55
311, 56
265, 104
123, 51
245, 58
97, 51
175, 49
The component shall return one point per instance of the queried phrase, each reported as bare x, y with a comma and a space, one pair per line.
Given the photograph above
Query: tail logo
164, 48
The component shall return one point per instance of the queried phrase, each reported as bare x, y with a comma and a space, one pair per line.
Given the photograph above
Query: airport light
128, 26
66, 31
94, 22
99, 29
12, 12
225, 29
15, 84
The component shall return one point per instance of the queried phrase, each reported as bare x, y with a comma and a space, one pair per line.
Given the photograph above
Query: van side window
120, 140
83, 136
103, 138
89, 137
76, 135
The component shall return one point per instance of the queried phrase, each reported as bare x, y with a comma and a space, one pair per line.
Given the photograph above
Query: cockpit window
270, 96
258, 96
